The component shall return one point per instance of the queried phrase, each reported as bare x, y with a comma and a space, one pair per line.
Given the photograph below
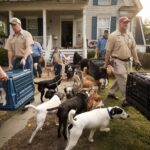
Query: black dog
76, 58
78, 102
48, 84
50, 93
69, 70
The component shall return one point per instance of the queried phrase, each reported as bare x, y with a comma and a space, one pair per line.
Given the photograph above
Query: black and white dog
48, 84
97, 118
69, 70
78, 102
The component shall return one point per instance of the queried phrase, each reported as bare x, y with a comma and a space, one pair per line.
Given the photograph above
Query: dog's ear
116, 110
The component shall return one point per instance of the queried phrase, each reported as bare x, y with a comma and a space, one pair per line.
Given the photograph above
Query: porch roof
18, 5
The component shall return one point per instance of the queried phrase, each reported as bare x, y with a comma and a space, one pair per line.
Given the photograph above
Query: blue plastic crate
19, 89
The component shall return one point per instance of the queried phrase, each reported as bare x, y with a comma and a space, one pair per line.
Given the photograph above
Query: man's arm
40, 49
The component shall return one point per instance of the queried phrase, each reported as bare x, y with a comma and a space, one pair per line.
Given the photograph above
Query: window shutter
94, 27
113, 2
40, 26
113, 24
23, 23
95, 2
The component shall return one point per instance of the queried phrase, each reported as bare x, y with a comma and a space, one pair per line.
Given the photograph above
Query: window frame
98, 19
109, 4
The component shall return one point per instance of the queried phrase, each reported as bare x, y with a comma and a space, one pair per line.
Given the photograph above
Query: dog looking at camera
41, 110
97, 118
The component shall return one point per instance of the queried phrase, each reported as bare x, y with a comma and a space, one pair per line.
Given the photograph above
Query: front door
66, 34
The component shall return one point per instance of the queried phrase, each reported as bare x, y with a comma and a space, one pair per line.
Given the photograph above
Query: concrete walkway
18, 122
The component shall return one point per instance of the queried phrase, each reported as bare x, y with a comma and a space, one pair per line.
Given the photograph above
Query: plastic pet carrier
17, 90
96, 69
138, 92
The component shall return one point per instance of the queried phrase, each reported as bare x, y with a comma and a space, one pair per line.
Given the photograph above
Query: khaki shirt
120, 44
19, 43
56, 58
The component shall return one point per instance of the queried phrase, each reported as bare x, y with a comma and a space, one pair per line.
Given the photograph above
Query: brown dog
95, 100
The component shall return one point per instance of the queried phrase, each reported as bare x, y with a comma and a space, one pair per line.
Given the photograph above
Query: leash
109, 114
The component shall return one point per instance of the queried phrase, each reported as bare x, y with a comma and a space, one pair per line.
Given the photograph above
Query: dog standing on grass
41, 109
97, 118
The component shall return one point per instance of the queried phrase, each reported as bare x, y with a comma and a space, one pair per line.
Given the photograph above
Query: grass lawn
130, 134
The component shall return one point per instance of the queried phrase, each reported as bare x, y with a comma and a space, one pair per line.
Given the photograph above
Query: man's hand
10, 67
23, 61
3, 75
138, 65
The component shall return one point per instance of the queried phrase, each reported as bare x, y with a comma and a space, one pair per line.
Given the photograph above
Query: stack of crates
138, 92
19, 89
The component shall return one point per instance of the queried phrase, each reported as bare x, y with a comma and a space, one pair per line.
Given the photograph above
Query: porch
57, 24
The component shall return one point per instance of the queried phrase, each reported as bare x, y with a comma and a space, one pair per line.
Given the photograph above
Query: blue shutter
95, 2
40, 26
113, 24
94, 27
114, 2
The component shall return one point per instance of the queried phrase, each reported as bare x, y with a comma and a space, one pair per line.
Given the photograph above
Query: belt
128, 59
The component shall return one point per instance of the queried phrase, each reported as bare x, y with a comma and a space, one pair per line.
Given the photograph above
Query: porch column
10, 17
84, 35
44, 28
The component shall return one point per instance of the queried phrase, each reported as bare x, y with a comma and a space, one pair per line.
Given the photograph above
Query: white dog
41, 109
3, 96
98, 118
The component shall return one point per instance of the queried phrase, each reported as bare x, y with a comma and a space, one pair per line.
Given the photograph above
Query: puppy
41, 109
69, 70
3, 97
78, 102
70, 92
48, 84
95, 100
97, 118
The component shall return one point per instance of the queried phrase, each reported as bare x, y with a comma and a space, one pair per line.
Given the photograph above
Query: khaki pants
121, 71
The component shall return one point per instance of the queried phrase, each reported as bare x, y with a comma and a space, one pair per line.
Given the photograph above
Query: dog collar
109, 114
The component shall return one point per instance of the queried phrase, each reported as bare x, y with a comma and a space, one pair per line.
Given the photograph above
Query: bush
145, 60
91, 54
3, 57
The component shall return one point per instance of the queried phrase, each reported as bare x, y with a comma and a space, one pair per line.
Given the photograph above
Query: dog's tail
31, 106
51, 109
71, 116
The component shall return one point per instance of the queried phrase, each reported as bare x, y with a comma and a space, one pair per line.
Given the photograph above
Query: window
104, 2
103, 23
32, 25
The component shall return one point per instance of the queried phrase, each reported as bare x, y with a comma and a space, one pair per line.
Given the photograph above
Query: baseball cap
15, 21
124, 19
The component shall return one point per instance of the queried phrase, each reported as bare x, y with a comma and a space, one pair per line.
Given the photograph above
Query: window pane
104, 2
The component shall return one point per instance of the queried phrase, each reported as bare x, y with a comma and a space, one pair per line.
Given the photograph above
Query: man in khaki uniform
19, 47
120, 47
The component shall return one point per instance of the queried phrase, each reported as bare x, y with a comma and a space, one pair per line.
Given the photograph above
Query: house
69, 24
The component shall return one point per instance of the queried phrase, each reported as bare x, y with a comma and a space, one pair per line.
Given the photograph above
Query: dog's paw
105, 129
91, 140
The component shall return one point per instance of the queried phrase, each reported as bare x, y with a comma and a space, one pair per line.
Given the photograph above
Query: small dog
41, 109
95, 100
69, 70
48, 84
78, 102
3, 97
97, 118
77, 78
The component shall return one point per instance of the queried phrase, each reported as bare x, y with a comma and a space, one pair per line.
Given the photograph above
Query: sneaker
113, 96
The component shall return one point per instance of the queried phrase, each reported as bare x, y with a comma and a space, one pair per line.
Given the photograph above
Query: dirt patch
44, 140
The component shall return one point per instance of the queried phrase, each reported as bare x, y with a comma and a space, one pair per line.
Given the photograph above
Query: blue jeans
57, 68
29, 63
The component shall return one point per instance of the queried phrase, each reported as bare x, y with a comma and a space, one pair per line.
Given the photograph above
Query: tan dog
95, 100
88, 81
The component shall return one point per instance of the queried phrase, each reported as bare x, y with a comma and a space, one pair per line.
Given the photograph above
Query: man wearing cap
19, 47
120, 47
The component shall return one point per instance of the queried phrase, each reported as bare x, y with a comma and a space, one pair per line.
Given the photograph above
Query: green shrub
3, 57
145, 60
91, 54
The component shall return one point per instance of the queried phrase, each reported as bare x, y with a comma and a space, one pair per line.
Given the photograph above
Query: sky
145, 13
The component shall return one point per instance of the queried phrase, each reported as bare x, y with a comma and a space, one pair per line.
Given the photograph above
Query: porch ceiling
42, 4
